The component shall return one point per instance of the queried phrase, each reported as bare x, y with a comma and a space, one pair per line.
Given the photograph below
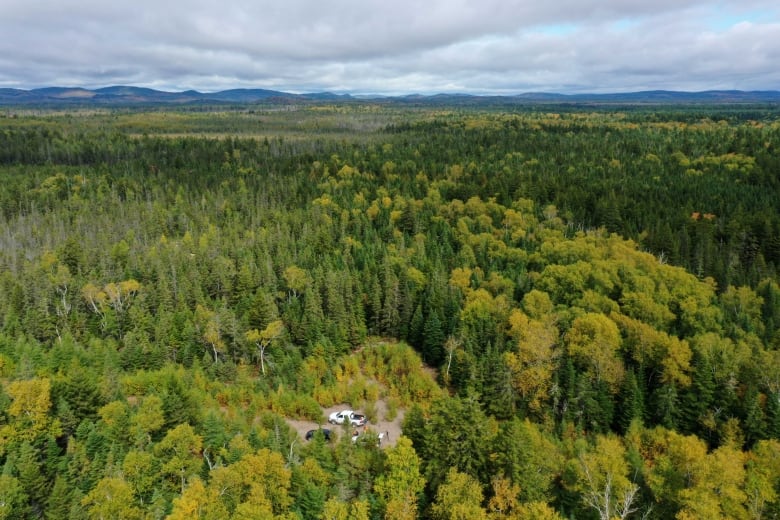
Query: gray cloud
491, 46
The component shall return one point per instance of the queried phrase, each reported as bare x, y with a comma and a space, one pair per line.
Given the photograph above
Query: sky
393, 46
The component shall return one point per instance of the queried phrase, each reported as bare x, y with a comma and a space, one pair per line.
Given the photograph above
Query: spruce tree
34, 483
697, 399
754, 422
433, 340
59, 501
773, 415
630, 403
665, 406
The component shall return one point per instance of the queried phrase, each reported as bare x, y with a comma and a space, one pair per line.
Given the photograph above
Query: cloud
492, 46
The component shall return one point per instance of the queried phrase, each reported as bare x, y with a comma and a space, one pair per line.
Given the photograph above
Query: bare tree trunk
451, 345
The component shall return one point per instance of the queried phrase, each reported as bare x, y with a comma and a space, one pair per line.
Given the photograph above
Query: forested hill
135, 96
577, 312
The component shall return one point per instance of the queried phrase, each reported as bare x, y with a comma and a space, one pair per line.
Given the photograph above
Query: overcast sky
393, 46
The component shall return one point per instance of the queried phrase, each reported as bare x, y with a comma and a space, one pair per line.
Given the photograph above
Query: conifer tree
696, 401
59, 501
13, 500
32, 480
630, 402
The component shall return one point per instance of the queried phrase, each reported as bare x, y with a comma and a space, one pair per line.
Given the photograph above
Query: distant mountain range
129, 96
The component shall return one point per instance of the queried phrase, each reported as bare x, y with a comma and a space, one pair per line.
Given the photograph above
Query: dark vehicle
325, 433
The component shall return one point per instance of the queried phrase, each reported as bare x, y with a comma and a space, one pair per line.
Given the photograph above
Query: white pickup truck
355, 419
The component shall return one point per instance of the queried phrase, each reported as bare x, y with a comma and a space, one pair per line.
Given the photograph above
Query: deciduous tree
401, 483
602, 479
263, 339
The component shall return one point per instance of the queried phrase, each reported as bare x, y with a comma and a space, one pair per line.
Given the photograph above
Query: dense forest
577, 310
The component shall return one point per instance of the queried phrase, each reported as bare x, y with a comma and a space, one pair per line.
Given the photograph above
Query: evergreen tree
79, 390
529, 458
433, 340
262, 310
13, 500
630, 403
773, 416
310, 502
390, 320
597, 406
33, 482
754, 422
414, 429
374, 305
498, 395
697, 400
455, 437
313, 319
416, 332
59, 501
567, 402
665, 406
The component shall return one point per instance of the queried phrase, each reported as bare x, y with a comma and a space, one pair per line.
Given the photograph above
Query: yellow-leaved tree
716, 487
112, 499
255, 486
401, 484
263, 339
458, 498
602, 479
197, 502
593, 340
28, 412
180, 454
504, 505
533, 360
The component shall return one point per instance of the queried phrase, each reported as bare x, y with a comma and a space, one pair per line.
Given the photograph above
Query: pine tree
357, 316
597, 406
336, 309
215, 437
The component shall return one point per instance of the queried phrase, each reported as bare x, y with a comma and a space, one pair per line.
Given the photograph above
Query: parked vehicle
311, 433
355, 419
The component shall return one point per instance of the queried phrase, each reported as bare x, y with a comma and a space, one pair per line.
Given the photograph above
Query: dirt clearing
390, 429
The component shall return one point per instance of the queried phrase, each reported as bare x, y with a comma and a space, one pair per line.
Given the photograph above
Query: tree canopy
576, 310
